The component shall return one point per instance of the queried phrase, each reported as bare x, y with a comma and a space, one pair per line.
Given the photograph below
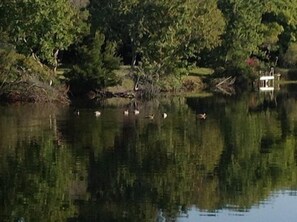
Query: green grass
287, 82
123, 71
61, 71
127, 83
199, 71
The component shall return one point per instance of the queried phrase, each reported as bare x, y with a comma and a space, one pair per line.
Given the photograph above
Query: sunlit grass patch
287, 82
61, 72
200, 71
123, 70
117, 102
127, 83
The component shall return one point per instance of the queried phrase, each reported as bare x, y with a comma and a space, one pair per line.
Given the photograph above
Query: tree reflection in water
130, 168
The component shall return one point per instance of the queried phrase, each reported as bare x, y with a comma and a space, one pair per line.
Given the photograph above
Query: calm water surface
238, 164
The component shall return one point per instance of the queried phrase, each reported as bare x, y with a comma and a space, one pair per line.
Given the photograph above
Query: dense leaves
162, 35
42, 28
157, 38
257, 28
97, 67
244, 30
24, 79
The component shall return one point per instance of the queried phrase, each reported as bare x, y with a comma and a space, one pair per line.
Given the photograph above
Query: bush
290, 57
24, 79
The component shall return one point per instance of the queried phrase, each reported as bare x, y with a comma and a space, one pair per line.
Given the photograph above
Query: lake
237, 164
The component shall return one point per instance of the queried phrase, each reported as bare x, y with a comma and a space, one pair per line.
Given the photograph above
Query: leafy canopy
96, 69
256, 28
162, 34
42, 27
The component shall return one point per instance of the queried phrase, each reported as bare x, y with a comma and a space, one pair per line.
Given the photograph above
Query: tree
256, 28
161, 35
96, 69
243, 32
280, 19
42, 28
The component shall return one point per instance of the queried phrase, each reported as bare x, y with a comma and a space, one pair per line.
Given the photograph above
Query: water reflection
59, 166
279, 206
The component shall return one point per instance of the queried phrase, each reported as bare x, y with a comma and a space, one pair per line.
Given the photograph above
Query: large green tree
42, 28
161, 34
244, 30
256, 28
280, 22
97, 65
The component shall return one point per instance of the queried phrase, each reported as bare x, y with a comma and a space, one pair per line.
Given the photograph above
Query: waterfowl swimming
202, 115
151, 116
76, 112
97, 113
136, 111
126, 112
164, 115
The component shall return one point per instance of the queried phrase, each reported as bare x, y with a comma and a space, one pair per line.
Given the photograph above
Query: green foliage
263, 29
13, 64
290, 57
282, 12
272, 32
163, 34
24, 79
280, 20
96, 67
243, 34
42, 28
158, 38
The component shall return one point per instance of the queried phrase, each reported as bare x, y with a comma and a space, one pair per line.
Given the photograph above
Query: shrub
96, 67
24, 79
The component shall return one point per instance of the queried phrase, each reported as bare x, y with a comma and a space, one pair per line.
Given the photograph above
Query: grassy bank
193, 81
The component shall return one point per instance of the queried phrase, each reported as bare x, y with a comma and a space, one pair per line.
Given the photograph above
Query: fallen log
224, 85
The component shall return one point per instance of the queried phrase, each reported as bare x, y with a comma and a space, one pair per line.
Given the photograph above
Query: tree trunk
56, 61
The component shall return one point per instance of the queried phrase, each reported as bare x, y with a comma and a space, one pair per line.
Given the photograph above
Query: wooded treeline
157, 38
